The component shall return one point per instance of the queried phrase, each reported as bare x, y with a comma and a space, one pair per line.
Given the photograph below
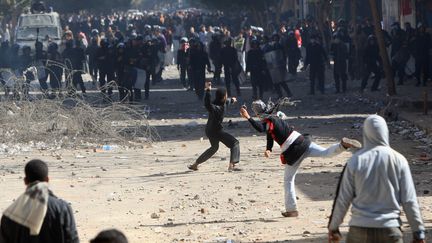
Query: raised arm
260, 127
207, 101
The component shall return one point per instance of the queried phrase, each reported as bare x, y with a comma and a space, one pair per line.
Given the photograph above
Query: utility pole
391, 88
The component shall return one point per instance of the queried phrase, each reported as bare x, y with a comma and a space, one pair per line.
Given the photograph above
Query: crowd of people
131, 51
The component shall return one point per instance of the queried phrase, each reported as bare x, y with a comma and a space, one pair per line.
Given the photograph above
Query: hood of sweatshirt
375, 132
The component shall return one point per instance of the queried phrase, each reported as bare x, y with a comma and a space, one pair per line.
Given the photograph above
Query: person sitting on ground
110, 236
377, 181
295, 147
38, 215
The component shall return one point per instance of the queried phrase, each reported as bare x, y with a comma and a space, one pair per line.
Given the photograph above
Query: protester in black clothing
148, 62
275, 57
316, 57
215, 47
38, 215
256, 66
105, 63
399, 53
132, 58
198, 62
340, 53
40, 59
293, 52
120, 62
372, 61
78, 61
67, 56
15, 61
54, 68
229, 60
182, 61
399, 62
91, 51
422, 49
214, 129
26, 60
74, 58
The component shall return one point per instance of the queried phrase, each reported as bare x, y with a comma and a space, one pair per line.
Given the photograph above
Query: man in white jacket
377, 181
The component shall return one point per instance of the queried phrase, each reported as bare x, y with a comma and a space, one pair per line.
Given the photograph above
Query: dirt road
149, 194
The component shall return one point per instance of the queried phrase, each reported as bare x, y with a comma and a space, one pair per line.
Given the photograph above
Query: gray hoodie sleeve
344, 197
409, 199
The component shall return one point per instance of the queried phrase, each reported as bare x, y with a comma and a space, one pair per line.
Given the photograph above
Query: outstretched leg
207, 154
316, 150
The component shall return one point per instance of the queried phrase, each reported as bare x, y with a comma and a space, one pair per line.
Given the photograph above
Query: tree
391, 88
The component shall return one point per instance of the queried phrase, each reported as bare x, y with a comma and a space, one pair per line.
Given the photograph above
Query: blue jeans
374, 235
314, 150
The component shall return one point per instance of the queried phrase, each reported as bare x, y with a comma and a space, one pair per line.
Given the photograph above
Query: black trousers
278, 88
106, 76
55, 75
124, 87
399, 71
231, 142
147, 84
292, 65
93, 69
372, 68
422, 67
198, 79
183, 72
77, 80
217, 71
340, 75
231, 77
257, 85
317, 72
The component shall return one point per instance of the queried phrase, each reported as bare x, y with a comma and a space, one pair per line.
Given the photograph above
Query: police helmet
52, 47
184, 40
95, 32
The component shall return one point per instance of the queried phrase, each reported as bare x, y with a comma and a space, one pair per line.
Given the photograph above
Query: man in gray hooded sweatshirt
377, 181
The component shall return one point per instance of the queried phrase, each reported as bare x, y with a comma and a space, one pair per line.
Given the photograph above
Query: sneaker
193, 167
350, 143
291, 214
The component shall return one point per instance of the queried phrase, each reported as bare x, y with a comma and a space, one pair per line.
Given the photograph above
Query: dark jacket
278, 130
198, 60
58, 226
216, 114
371, 55
315, 55
105, 59
182, 58
229, 56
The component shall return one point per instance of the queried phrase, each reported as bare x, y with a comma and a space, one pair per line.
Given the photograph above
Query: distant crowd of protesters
130, 51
